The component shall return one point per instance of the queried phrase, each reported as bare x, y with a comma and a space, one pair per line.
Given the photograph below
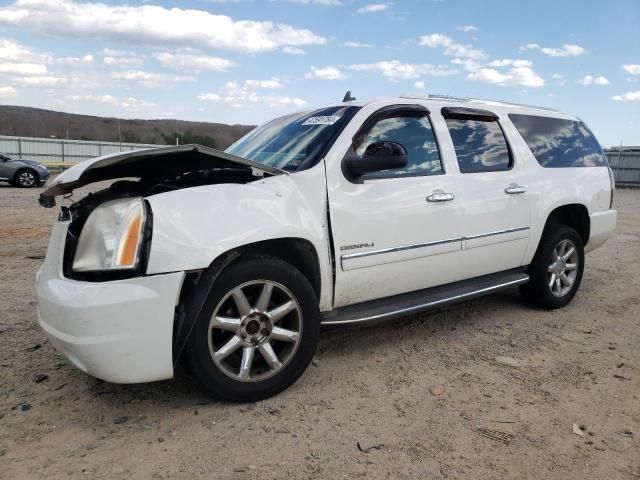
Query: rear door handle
515, 189
440, 196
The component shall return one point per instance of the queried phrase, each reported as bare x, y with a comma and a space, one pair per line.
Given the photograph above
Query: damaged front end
159, 170
109, 231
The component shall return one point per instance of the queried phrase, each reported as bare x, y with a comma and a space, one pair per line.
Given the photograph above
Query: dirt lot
368, 385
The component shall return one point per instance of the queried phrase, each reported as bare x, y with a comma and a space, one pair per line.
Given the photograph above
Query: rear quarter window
559, 143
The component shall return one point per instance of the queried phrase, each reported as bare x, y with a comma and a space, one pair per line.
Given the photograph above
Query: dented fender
192, 227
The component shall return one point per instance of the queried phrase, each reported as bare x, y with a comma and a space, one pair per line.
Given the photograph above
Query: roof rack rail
480, 100
512, 104
448, 97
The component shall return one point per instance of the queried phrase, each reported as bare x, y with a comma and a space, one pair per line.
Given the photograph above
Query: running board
390, 308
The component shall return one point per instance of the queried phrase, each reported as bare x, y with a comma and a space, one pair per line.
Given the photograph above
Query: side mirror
379, 156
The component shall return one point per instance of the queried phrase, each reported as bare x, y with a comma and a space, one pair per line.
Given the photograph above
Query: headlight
111, 238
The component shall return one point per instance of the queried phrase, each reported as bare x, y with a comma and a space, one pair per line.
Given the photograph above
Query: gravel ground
428, 396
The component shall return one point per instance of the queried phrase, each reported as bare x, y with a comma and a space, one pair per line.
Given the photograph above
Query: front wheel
27, 178
556, 270
259, 332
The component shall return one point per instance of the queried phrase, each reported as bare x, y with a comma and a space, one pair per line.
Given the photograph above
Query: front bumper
120, 331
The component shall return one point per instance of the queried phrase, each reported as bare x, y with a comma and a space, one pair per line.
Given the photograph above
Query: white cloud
374, 7
628, 97
395, 70
591, 80
293, 50
326, 73
516, 73
468, 28
121, 58
210, 97
22, 61
357, 45
567, 50
76, 61
22, 69
451, 48
632, 69
8, 92
10, 50
328, 3
150, 79
153, 25
44, 81
128, 104
419, 85
559, 78
506, 62
192, 62
272, 84
237, 94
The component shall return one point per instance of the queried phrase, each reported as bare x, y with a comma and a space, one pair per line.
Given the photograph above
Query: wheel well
197, 284
575, 216
295, 251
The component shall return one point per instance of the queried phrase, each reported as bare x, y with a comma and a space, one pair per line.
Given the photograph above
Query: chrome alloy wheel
563, 268
255, 330
27, 179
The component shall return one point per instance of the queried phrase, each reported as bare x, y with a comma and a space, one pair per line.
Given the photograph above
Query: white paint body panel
121, 331
194, 226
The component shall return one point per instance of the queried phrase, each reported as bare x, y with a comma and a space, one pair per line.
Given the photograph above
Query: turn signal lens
128, 247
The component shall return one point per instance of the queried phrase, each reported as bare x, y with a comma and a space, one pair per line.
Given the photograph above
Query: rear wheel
557, 267
27, 178
259, 333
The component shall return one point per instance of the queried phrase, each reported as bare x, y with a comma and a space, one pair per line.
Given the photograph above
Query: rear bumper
602, 226
119, 331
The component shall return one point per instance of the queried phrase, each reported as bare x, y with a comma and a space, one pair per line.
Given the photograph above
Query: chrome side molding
402, 248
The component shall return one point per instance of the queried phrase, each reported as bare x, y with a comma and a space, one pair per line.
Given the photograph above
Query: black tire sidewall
36, 180
199, 360
537, 290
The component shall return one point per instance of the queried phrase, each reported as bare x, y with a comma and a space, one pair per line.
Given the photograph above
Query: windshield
294, 142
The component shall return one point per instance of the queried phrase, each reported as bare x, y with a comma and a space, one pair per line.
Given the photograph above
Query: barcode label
322, 120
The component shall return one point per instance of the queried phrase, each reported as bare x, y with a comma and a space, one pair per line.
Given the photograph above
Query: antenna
348, 97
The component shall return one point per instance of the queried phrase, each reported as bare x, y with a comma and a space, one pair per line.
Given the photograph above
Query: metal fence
625, 163
54, 150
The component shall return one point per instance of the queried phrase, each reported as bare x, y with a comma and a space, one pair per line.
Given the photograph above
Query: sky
246, 61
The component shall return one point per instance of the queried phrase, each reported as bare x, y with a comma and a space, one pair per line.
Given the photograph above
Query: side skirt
398, 306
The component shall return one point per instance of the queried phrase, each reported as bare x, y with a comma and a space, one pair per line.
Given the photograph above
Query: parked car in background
22, 173
360, 211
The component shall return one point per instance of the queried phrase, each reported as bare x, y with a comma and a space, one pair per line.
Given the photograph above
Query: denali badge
357, 245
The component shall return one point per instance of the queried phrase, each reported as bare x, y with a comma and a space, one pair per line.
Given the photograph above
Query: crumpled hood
147, 163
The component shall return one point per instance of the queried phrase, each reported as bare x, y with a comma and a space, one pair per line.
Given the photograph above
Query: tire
228, 324
27, 178
553, 283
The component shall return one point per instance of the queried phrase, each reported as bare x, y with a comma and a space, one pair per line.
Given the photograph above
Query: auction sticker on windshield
322, 120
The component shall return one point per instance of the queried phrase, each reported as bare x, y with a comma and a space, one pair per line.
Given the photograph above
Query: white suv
358, 211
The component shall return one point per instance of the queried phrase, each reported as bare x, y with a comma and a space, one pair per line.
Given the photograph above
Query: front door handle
515, 189
440, 196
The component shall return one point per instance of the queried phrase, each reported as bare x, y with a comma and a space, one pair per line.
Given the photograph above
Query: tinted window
559, 143
480, 145
415, 134
294, 141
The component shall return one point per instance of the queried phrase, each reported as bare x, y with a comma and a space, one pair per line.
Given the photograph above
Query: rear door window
479, 144
558, 143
